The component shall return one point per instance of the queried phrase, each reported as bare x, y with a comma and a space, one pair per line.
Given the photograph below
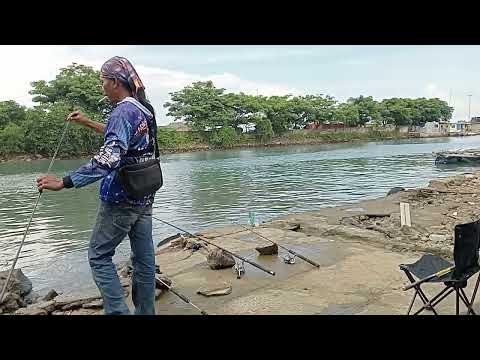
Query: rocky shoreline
435, 210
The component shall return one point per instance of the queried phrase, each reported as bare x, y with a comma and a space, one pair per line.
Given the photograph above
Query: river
206, 189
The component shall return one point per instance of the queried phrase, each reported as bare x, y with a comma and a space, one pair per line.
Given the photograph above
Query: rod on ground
258, 266
5, 286
436, 275
283, 247
183, 297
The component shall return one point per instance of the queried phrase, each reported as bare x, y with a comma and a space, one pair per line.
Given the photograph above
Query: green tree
77, 85
263, 127
226, 136
368, 109
201, 106
12, 139
347, 113
11, 112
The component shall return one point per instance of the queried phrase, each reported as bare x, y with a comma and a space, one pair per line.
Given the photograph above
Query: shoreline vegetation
306, 137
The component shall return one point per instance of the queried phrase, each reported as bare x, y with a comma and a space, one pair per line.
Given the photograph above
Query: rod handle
311, 262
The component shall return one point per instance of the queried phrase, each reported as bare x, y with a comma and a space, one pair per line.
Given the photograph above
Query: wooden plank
405, 214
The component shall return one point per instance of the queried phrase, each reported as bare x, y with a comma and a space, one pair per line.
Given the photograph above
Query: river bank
358, 246
284, 141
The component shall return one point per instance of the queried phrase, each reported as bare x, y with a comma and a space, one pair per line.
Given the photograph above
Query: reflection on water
207, 189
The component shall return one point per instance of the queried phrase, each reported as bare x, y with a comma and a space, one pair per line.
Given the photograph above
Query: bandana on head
122, 69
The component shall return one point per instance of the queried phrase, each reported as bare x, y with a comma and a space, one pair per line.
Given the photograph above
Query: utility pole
469, 104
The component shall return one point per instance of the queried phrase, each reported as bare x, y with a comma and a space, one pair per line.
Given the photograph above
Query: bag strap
155, 142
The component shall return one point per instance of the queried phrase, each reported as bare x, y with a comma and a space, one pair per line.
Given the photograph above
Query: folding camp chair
434, 269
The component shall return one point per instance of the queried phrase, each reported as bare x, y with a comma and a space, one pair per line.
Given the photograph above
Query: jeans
113, 223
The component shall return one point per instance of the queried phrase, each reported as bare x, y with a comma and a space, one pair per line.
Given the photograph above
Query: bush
263, 129
225, 136
12, 139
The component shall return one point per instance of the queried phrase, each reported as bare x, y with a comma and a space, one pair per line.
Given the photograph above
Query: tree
11, 139
368, 109
201, 106
77, 85
347, 113
263, 127
11, 112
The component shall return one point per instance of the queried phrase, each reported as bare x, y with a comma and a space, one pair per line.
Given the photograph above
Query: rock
215, 290
438, 185
219, 259
52, 294
19, 283
395, 190
293, 227
125, 282
159, 285
96, 304
48, 306
73, 302
31, 298
437, 238
268, 250
73, 305
31, 311
57, 312
125, 271
158, 293
11, 302
82, 311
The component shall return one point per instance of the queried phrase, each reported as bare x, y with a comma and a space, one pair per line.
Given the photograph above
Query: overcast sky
447, 72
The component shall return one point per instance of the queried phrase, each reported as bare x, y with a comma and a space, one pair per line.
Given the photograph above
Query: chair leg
420, 293
435, 300
411, 302
457, 307
475, 291
464, 298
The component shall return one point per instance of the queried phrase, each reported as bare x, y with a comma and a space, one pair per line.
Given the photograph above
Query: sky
447, 72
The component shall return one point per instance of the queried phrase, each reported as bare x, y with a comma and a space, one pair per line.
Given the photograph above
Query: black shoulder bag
145, 178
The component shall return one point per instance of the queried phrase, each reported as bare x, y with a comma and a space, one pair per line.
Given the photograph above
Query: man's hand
82, 119
49, 182
79, 117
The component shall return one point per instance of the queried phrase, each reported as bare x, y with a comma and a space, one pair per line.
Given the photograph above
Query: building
460, 128
475, 124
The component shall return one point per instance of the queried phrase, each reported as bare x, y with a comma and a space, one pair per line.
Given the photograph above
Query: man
129, 138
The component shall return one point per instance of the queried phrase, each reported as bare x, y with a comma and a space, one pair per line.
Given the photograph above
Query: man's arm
82, 119
117, 137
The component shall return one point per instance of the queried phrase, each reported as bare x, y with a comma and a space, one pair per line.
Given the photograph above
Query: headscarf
120, 68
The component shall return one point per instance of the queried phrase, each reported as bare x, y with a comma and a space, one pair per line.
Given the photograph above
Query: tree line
215, 116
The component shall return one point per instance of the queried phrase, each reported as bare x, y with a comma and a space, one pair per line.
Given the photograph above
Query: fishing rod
283, 247
258, 266
183, 297
31, 216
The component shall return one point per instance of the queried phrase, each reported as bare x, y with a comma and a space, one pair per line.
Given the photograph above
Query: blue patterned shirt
127, 129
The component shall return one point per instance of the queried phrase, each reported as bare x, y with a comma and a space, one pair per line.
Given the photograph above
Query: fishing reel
287, 259
239, 269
